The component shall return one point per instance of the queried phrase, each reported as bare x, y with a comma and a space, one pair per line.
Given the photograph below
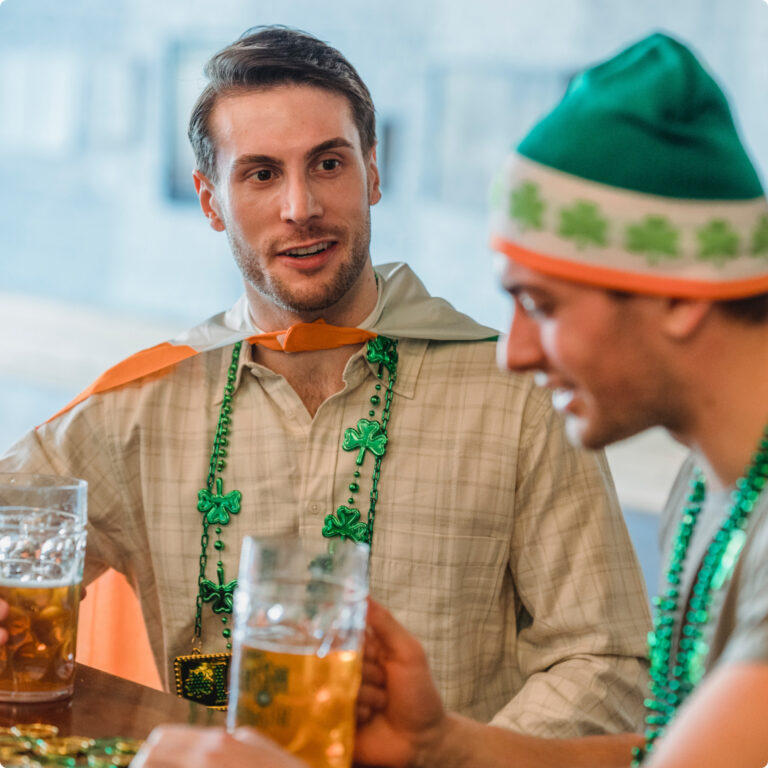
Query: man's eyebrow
336, 143
244, 160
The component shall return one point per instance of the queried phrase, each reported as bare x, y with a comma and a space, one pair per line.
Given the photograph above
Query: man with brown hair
339, 399
638, 266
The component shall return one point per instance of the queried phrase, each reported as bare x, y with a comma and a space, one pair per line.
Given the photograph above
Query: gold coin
128, 746
9, 751
107, 759
35, 730
22, 761
11, 740
63, 745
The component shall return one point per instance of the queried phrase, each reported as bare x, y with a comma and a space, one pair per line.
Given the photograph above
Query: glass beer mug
42, 547
297, 656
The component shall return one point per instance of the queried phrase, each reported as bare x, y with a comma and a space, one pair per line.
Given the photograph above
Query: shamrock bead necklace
673, 680
217, 507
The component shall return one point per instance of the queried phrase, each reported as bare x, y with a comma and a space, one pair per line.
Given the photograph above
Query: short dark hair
265, 57
752, 310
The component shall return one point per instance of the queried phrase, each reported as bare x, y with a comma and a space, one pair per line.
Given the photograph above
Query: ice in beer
41, 569
38, 661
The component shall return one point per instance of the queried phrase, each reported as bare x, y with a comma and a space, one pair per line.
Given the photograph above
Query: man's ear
206, 193
374, 180
684, 317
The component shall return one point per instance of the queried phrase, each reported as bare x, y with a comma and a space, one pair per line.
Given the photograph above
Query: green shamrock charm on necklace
347, 525
383, 350
220, 595
367, 437
216, 506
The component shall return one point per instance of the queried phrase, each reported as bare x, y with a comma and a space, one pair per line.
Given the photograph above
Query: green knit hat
637, 181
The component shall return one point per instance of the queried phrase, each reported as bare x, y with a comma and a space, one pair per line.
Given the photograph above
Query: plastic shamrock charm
383, 350
655, 238
217, 506
760, 238
718, 242
583, 224
367, 437
346, 524
527, 206
220, 595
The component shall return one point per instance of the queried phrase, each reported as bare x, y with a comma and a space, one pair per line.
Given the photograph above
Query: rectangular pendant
203, 678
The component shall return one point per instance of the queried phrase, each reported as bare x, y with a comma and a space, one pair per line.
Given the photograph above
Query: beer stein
42, 547
297, 656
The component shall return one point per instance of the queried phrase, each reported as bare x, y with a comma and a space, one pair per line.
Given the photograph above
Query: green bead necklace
202, 677
671, 681
367, 436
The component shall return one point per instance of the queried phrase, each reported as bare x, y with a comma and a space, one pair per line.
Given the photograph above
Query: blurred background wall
103, 249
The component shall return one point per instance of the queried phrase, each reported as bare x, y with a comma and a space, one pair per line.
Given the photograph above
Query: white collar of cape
404, 309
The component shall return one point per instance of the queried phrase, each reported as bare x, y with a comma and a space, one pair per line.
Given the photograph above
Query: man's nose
523, 344
300, 202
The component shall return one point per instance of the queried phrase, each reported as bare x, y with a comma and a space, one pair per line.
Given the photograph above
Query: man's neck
728, 399
316, 375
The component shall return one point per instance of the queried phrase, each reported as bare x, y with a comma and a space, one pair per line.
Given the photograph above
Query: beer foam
33, 583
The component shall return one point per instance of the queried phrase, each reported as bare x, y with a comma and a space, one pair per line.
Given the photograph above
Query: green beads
674, 676
371, 438
216, 508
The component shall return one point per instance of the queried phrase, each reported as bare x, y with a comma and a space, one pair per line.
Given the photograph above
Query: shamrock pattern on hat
527, 206
718, 242
654, 237
583, 224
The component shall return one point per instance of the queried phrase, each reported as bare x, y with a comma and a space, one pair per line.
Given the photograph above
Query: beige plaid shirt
500, 546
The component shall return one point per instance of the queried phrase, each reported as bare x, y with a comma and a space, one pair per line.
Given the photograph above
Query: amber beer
304, 702
38, 661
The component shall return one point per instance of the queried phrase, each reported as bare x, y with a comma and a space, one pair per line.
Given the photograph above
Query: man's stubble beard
283, 295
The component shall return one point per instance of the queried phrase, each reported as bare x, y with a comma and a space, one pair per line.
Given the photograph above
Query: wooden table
105, 706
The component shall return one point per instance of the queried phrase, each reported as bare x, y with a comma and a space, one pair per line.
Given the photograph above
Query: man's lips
306, 250
562, 399
562, 394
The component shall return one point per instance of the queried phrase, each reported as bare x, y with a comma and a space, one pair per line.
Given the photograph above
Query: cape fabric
403, 309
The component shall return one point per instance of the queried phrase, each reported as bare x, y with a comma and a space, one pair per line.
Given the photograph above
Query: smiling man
635, 231
339, 399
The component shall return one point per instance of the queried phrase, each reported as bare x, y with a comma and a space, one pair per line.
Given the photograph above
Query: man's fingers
372, 697
373, 674
363, 714
393, 637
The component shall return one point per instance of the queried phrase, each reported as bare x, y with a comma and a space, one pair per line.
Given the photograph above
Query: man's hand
182, 746
3, 616
400, 714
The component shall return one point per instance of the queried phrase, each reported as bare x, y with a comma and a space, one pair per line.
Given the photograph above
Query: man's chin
577, 430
